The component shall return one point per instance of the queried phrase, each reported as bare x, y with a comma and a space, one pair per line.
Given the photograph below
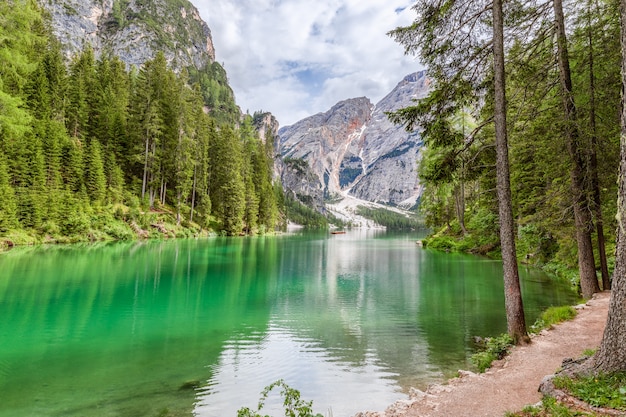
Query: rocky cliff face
354, 150
266, 125
134, 29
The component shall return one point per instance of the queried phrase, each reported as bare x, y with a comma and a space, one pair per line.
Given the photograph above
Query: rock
416, 394
466, 374
134, 30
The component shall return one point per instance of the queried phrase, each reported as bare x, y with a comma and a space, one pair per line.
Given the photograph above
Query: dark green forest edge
90, 150
458, 167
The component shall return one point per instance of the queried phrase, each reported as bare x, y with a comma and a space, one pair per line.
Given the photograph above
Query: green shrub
294, 405
119, 231
495, 348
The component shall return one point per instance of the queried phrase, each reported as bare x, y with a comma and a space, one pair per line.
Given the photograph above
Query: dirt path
512, 383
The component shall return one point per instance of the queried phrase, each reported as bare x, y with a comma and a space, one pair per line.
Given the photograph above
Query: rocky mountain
134, 30
353, 150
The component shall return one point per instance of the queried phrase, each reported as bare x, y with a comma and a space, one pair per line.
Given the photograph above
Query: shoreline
513, 382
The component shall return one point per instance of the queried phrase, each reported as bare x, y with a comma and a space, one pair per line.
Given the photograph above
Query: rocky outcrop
353, 149
133, 29
266, 125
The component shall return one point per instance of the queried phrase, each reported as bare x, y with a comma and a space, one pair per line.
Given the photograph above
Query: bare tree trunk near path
516, 323
611, 357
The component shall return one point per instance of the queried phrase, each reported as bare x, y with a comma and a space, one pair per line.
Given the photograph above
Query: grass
550, 408
603, 390
495, 348
552, 316
498, 347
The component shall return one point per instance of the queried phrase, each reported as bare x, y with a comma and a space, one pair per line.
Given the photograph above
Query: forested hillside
91, 150
563, 94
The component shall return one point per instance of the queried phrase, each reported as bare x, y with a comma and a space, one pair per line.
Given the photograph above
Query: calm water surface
200, 327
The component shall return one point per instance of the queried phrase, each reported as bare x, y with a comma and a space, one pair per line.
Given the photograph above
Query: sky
296, 58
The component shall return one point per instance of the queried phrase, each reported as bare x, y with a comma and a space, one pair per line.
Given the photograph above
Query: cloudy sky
297, 58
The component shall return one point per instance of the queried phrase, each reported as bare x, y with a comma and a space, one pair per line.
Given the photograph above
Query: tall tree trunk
460, 201
193, 195
145, 169
611, 357
179, 203
593, 162
582, 218
516, 323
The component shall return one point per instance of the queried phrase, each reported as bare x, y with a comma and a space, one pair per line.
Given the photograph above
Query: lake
200, 327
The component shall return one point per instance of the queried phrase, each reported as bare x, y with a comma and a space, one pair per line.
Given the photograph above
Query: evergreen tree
516, 324
148, 125
8, 206
95, 179
82, 94
249, 141
451, 40
263, 167
227, 184
611, 356
582, 217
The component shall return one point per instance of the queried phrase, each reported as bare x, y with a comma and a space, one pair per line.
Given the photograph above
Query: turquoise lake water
200, 327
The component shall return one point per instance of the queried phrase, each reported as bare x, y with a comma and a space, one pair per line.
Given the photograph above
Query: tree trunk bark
582, 218
145, 169
611, 357
460, 202
593, 161
516, 323
193, 196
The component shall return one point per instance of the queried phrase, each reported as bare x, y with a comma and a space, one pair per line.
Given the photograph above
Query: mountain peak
354, 150
134, 30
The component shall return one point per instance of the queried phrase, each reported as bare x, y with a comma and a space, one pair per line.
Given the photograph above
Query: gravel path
511, 383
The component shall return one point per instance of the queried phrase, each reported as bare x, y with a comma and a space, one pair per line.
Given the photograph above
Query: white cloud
296, 58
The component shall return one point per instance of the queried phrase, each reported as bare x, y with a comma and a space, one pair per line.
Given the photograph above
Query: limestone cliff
354, 150
134, 29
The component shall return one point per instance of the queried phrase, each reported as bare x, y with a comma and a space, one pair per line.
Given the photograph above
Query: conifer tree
262, 166
81, 95
611, 356
581, 204
456, 44
249, 140
227, 184
95, 179
8, 206
148, 123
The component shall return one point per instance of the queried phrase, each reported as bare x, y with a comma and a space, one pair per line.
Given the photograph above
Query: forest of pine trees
563, 97
90, 150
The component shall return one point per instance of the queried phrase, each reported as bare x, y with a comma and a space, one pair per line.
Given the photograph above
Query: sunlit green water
199, 327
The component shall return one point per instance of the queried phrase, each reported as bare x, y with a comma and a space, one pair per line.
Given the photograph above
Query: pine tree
148, 124
81, 96
227, 185
8, 206
582, 217
451, 41
262, 163
95, 179
249, 140
611, 356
